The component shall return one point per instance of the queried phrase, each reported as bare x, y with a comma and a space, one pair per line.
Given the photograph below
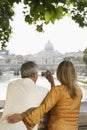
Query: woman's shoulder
78, 89
58, 87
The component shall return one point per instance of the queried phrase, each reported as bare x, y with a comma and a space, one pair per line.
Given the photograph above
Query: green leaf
59, 12
82, 0
47, 17
69, 14
3, 46
28, 19
39, 28
53, 16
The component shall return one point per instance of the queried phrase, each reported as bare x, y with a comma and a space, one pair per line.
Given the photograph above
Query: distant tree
40, 12
85, 56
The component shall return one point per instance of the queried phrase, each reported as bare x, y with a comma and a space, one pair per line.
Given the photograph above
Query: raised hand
50, 78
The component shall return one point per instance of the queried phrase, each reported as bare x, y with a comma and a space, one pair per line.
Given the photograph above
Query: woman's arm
33, 117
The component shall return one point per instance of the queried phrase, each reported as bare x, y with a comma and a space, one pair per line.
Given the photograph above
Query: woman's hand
14, 118
50, 78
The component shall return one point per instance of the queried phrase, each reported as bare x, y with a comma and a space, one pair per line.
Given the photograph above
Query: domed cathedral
49, 47
48, 58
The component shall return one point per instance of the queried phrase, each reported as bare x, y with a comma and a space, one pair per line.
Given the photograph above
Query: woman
63, 101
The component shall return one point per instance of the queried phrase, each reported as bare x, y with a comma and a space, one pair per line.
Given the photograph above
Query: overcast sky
65, 35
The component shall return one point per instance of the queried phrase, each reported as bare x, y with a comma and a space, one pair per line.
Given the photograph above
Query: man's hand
14, 118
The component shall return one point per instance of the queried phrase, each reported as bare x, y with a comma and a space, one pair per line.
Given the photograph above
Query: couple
62, 101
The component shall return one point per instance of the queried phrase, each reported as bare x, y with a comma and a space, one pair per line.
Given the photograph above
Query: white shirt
21, 95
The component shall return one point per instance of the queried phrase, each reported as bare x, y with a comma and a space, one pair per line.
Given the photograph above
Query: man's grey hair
28, 69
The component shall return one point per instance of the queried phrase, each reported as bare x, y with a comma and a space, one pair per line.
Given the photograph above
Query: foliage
85, 57
40, 12
47, 11
6, 13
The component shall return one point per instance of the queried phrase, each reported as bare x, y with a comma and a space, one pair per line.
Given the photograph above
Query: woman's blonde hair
66, 74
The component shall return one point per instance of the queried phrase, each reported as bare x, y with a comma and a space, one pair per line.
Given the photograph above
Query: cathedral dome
49, 47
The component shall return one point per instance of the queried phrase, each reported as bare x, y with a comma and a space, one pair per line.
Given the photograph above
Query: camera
43, 74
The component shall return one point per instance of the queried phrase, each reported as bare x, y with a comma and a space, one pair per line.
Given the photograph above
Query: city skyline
65, 35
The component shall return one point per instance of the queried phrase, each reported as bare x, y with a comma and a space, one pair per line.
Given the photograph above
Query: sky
65, 35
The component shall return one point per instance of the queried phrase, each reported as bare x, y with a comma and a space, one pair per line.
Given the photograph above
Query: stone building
48, 58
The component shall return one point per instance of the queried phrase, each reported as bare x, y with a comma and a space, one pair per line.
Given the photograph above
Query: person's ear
34, 75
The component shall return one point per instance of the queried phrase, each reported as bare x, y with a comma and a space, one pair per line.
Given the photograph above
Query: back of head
28, 69
66, 74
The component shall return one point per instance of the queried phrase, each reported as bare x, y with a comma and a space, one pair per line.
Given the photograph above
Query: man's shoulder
15, 82
41, 89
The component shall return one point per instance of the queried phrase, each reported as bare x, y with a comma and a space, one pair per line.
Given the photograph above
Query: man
23, 94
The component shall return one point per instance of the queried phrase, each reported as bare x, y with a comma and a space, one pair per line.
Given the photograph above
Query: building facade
48, 58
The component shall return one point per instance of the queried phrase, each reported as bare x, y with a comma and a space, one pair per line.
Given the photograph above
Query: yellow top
64, 110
